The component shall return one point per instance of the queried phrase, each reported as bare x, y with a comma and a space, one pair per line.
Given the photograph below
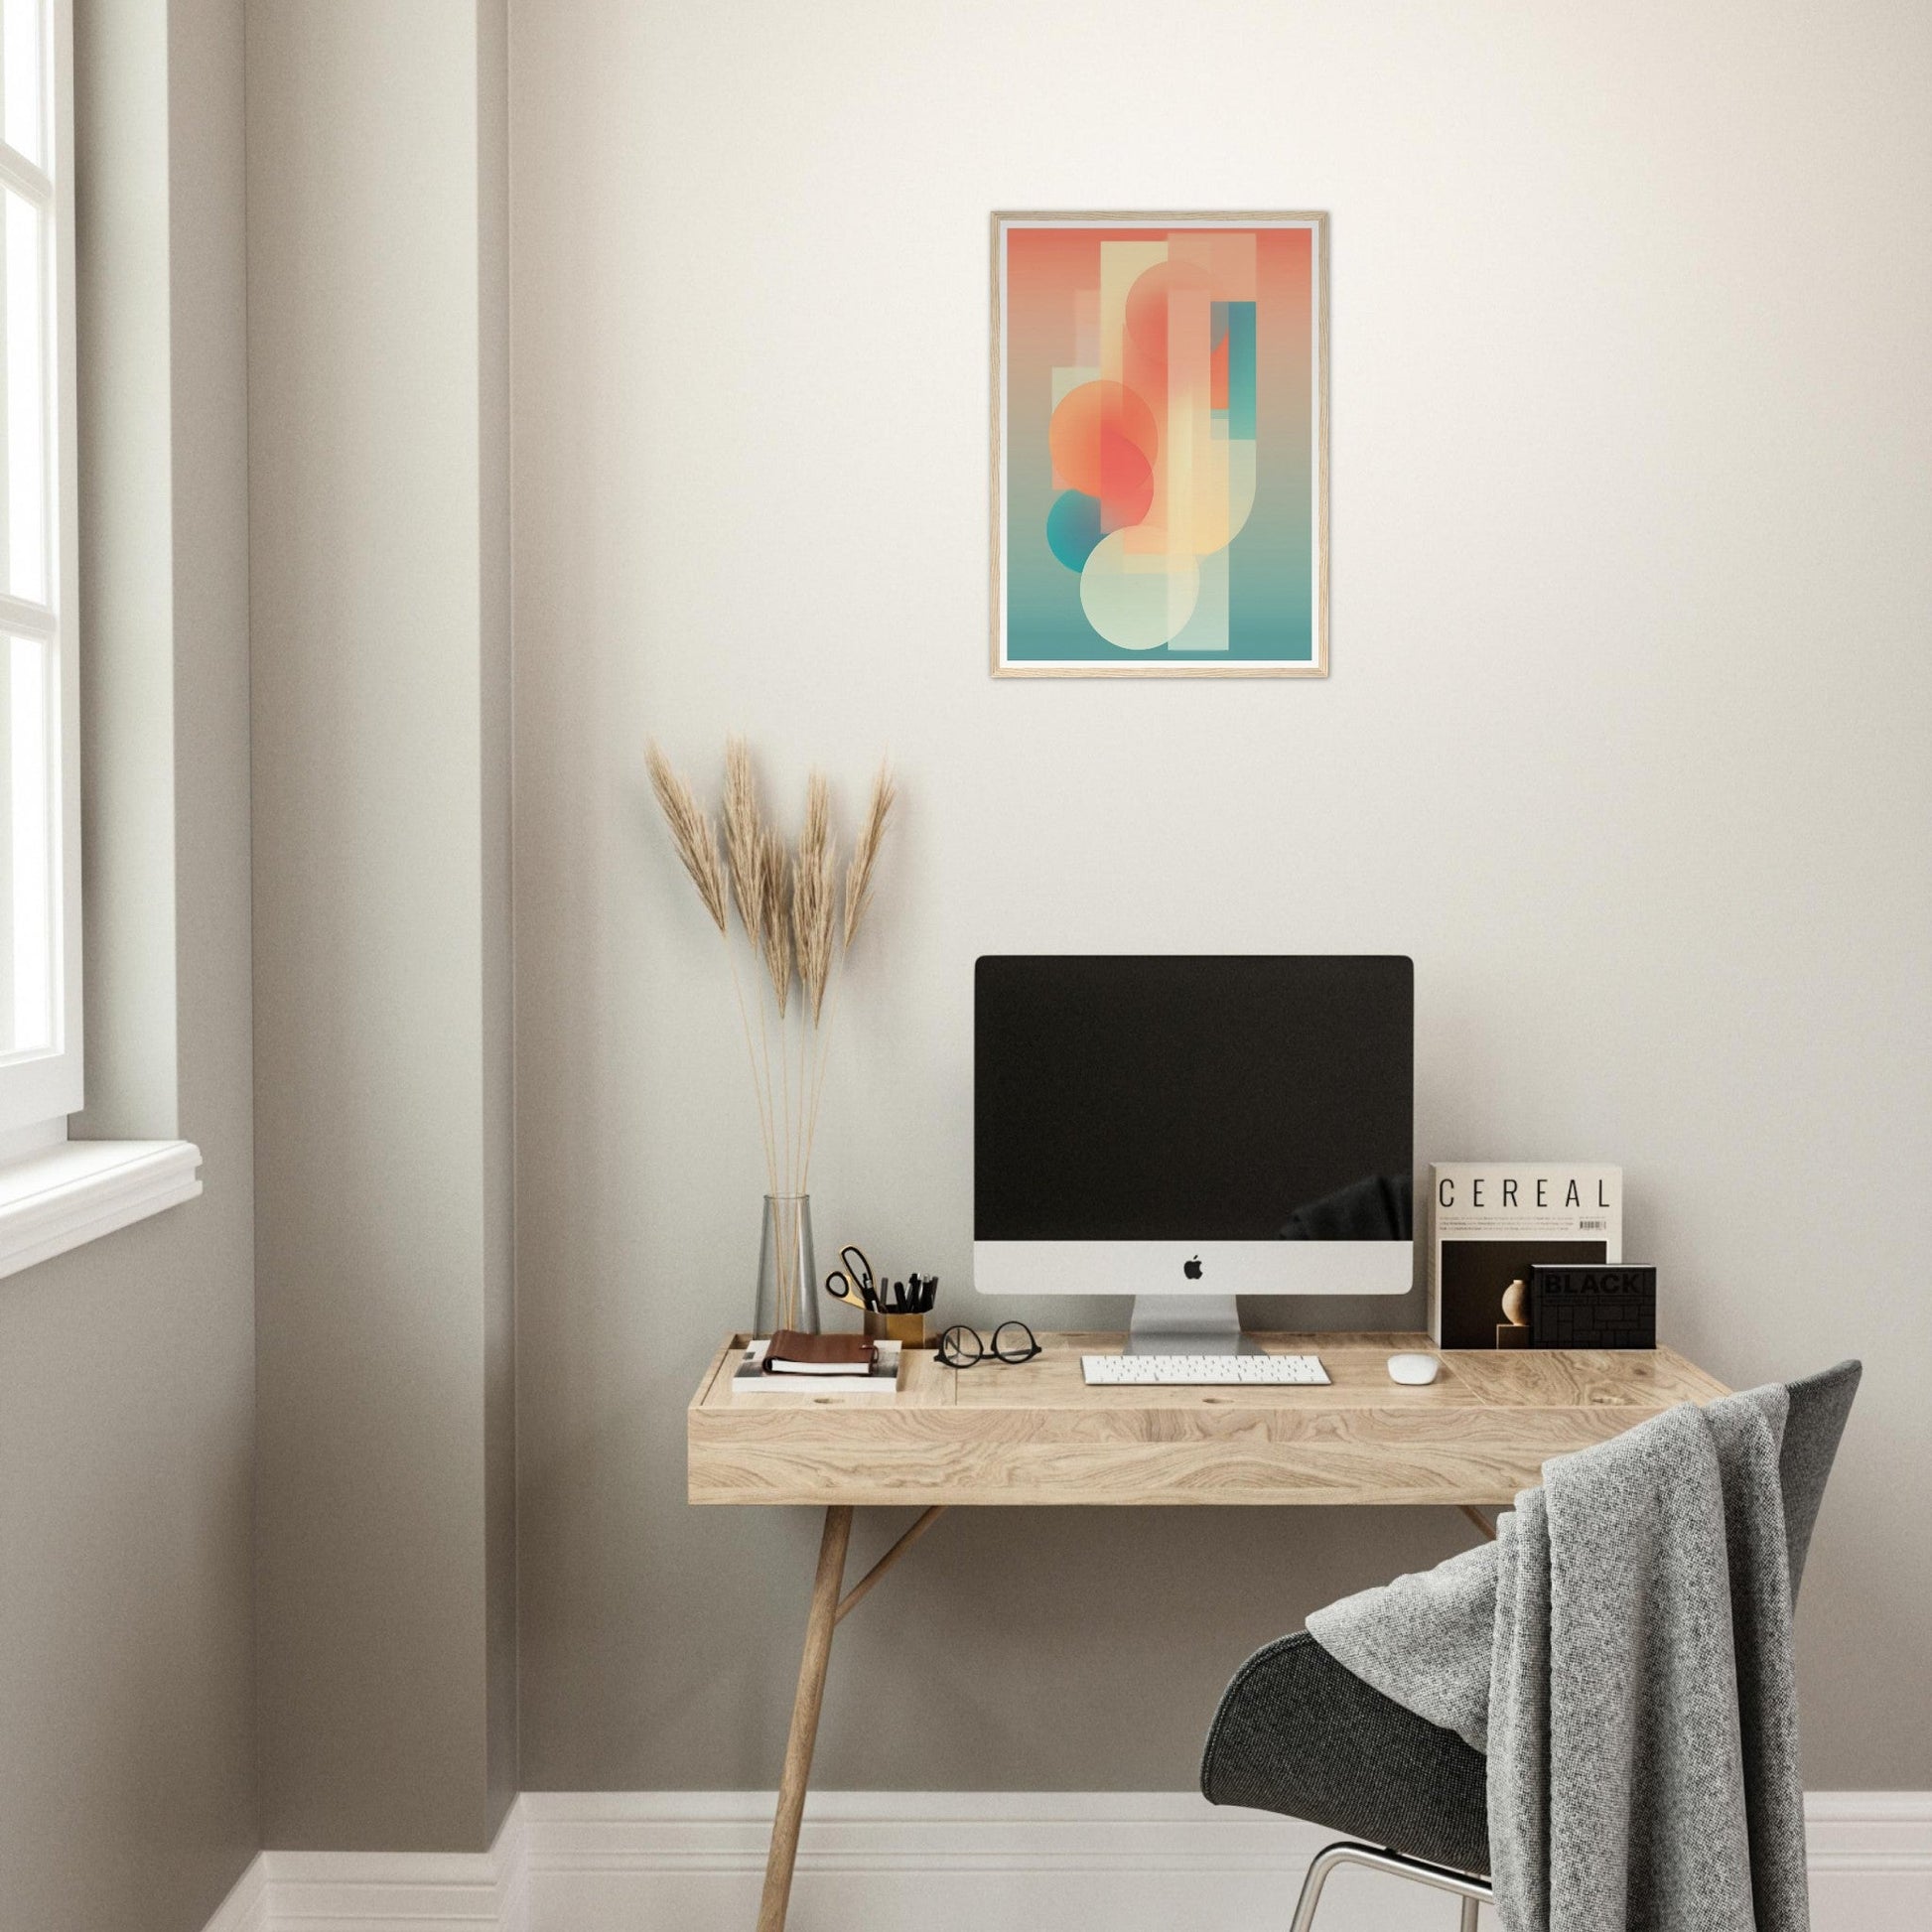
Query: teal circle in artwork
1073, 527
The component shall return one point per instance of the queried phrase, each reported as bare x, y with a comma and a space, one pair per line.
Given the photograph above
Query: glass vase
788, 1271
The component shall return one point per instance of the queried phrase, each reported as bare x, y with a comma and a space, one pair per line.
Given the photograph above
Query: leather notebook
793, 1354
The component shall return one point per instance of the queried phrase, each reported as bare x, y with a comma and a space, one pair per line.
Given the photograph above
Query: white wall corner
510, 1856
953, 1861
245, 1909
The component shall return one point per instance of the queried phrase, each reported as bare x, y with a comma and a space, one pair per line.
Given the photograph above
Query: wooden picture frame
1160, 394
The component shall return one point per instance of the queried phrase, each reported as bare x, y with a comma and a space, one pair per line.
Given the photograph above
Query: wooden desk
1033, 1433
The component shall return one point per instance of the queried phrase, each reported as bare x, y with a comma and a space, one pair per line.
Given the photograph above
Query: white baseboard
953, 1861
385, 1891
939, 1862
1869, 1855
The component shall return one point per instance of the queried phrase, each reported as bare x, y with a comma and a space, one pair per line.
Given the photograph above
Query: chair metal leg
1472, 1891
1325, 1863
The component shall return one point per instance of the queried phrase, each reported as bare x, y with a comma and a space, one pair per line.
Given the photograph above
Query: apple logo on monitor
1191, 1269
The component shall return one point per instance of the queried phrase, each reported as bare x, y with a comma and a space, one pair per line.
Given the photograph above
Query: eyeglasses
963, 1347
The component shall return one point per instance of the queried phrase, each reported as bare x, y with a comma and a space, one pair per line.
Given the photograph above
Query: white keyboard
1202, 1371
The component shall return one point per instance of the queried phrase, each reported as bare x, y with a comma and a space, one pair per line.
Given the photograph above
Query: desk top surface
1033, 1433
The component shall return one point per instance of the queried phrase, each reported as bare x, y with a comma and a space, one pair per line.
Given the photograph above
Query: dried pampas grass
774, 924
745, 838
787, 907
814, 895
692, 832
864, 852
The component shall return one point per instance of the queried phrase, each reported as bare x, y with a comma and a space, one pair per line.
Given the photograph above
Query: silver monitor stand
1187, 1325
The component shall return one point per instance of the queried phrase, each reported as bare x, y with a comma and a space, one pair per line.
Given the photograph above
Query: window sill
79, 1191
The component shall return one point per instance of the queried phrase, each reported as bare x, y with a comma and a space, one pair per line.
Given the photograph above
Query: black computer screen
1228, 1098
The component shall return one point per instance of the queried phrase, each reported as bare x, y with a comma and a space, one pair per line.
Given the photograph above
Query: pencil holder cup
908, 1330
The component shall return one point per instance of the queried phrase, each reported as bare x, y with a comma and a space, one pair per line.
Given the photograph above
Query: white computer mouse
1414, 1369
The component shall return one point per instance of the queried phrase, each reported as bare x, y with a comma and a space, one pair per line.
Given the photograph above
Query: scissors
851, 1282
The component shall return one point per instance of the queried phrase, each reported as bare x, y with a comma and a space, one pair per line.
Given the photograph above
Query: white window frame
39, 1089
56, 1193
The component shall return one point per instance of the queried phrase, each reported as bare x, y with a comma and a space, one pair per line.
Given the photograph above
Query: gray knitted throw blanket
1623, 1652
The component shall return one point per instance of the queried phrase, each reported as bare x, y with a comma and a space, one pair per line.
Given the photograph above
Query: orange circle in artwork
1103, 441
1125, 482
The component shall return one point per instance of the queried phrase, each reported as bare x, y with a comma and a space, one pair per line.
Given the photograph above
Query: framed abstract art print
1160, 445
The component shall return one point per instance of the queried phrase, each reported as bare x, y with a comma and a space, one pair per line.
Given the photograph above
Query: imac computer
1185, 1130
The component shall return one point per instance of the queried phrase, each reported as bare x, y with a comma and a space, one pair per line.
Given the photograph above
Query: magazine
1489, 1220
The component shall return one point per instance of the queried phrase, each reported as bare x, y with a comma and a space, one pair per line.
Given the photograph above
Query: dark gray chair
1300, 1735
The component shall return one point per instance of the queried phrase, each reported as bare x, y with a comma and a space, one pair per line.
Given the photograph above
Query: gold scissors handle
852, 1281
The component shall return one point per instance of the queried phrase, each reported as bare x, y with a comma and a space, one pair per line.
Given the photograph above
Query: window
54, 1193
40, 793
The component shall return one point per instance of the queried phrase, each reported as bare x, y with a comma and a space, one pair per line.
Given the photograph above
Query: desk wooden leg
804, 1718
858, 1592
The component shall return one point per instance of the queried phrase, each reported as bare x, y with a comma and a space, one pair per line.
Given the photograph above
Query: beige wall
1624, 743
378, 581
127, 1790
